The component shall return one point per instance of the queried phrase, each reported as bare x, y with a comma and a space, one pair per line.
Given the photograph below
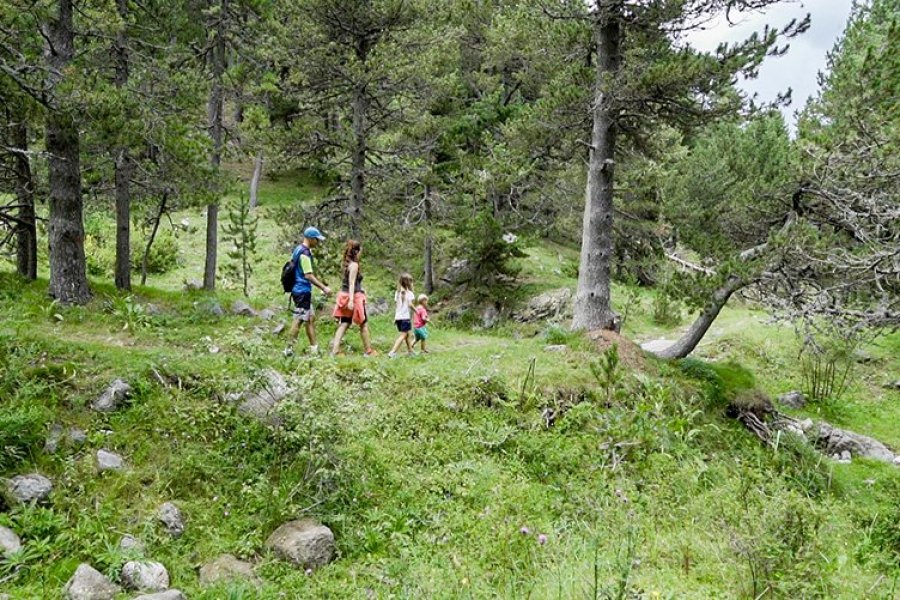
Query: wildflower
510, 238
308, 572
542, 539
524, 531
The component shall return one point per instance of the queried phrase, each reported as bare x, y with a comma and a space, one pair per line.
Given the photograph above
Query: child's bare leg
424, 349
408, 338
397, 343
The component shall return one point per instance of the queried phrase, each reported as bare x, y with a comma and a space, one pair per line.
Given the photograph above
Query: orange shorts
357, 315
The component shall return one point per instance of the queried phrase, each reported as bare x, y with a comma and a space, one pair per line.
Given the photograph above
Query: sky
797, 69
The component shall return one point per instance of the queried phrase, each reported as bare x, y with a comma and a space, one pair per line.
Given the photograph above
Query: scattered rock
54, 437
76, 437
278, 329
305, 543
9, 542
267, 314
459, 271
89, 584
837, 441
894, 385
793, 399
655, 346
216, 310
129, 543
109, 461
117, 392
378, 306
152, 309
897, 460
490, 316
227, 568
242, 309
192, 285
555, 348
549, 305
845, 456
25, 489
166, 595
261, 403
170, 516
145, 576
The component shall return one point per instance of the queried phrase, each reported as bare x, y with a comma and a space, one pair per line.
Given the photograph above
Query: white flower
510, 238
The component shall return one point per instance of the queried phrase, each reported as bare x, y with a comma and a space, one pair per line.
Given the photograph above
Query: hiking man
301, 293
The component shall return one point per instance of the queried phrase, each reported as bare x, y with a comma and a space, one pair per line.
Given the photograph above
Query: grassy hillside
437, 473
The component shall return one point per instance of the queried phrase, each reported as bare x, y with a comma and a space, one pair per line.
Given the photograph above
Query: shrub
490, 252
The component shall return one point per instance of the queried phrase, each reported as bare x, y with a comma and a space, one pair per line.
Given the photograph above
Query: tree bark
358, 160
26, 234
593, 308
688, 342
156, 222
429, 244
68, 273
254, 181
123, 167
217, 133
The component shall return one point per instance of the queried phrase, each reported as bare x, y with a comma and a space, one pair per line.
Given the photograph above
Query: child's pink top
420, 317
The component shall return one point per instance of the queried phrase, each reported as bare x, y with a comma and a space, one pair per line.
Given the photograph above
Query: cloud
806, 57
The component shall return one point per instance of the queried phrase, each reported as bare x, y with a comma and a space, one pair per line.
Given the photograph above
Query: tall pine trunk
68, 273
26, 230
429, 244
217, 133
358, 160
593, 309
123, 167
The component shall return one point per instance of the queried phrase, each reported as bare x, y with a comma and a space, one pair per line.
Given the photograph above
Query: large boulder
459, 271
305, 543
227, 568
378, 306
837, 441
9, 542
27, 489
145, 576
113, 397
89, 584
170, 516
166, 595
261, 402
109, 461
549, 305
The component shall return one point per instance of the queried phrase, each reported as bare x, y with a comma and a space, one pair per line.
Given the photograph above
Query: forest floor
437, 473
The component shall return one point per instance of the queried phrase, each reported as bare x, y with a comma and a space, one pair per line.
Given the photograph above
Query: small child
403, 297
420, 322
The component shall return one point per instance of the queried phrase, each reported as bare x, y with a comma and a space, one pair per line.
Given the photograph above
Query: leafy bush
100, 249
720, 381
21, 431
490, 252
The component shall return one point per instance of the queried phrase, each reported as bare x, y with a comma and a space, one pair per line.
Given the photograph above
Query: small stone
9, 542
192, 285
109, 461
129, 543
555, 348
152, 309
217, 310
243, 309
267, 314
25, 489
117, 392
76, 437
227, 568
278, 329
166, 595
89, 584
793, 399
145, 576
170, 516
846, 456
305, 543
893, 385
54, 437
490, 316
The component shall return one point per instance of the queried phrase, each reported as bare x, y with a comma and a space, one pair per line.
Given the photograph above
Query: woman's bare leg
366, 337
338, 336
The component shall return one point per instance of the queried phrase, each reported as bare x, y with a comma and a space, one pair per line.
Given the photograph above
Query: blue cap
313, 234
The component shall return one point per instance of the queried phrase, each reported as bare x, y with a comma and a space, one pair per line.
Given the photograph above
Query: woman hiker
350, 306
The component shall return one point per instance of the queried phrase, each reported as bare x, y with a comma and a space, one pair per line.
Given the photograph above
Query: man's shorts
303, 309
403, 325
421, 333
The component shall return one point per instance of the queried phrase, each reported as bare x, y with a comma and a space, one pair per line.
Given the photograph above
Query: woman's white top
404, 299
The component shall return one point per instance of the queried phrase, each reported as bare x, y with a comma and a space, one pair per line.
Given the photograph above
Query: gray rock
9, 542
227, 568
170, 516
216, 310
549, 305
117, 392
490, 316
89, 584
897, 460
793, 399
76, 437
145, 576
25, 489
129, 543
192, 285
655, 346
261, 403
109, 461
555, 348
378, 306
305, 543
459, 271
166, 595
836, 441
893, 385
278, 329
54, 437
267, 314
845, 456
242, 309
152, 309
